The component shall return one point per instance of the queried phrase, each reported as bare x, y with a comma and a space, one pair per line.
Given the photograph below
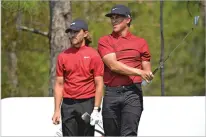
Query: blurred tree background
25, 55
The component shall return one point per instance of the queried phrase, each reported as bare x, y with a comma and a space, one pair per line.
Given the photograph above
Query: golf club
86, 117
196, 19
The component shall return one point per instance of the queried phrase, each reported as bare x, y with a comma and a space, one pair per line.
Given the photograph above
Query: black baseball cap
77, 25
120, 10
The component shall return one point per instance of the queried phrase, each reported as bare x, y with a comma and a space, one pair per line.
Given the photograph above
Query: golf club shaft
172, 52
144, 83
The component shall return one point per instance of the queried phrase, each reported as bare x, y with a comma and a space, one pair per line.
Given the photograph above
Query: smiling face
119, 22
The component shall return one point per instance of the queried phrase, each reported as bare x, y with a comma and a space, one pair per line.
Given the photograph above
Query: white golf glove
95, 117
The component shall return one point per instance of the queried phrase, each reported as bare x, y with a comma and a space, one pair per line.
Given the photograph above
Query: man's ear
85, 33
128, 20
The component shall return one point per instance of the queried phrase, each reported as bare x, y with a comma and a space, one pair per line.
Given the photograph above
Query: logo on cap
114, 8
73, 23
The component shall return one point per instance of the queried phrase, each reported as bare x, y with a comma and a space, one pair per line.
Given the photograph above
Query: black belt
70, 101
123, 88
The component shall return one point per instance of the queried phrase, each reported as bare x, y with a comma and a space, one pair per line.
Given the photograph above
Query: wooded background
32, 36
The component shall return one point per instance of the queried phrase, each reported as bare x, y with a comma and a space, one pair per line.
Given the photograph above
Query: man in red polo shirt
127, 62
79, 83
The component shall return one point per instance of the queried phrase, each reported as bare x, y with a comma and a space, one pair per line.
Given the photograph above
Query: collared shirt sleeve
104, 47
59, 66
145, 54
97, 66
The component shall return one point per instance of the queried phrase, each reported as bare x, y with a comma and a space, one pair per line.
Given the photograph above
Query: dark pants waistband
124, 88
70, 101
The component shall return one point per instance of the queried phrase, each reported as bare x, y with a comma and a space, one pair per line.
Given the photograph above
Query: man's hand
146, 75
56, 118
95, 117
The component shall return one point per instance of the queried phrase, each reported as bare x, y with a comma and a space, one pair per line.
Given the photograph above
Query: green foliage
184, 71
32, 50
31, 7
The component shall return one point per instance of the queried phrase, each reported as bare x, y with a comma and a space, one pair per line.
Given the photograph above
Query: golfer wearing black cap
127, 62
79, 83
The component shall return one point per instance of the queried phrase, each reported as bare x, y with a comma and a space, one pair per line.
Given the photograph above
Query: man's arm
111, 61
98, 70
109, 58
95, 115
146, 65
99, 90
58, 93
108, 55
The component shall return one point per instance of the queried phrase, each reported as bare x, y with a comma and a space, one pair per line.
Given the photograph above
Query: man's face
76, 37
119, 22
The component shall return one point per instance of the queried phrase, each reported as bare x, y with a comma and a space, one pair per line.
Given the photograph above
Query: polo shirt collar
117, 35
85, 46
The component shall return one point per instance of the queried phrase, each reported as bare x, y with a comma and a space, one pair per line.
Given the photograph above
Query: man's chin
74, 42
116, 30
76, 45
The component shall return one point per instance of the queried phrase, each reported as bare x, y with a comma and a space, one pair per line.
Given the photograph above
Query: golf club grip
86, 116
144, 83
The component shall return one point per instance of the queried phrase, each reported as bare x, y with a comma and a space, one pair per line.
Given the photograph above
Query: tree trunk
60, 16
12, 66
12, 60
162, 49
203, 12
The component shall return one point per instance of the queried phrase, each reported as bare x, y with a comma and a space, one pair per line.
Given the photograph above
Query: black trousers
122, 109
71, 112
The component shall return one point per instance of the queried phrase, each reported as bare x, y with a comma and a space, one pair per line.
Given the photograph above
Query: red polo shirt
79, 66
130, 50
